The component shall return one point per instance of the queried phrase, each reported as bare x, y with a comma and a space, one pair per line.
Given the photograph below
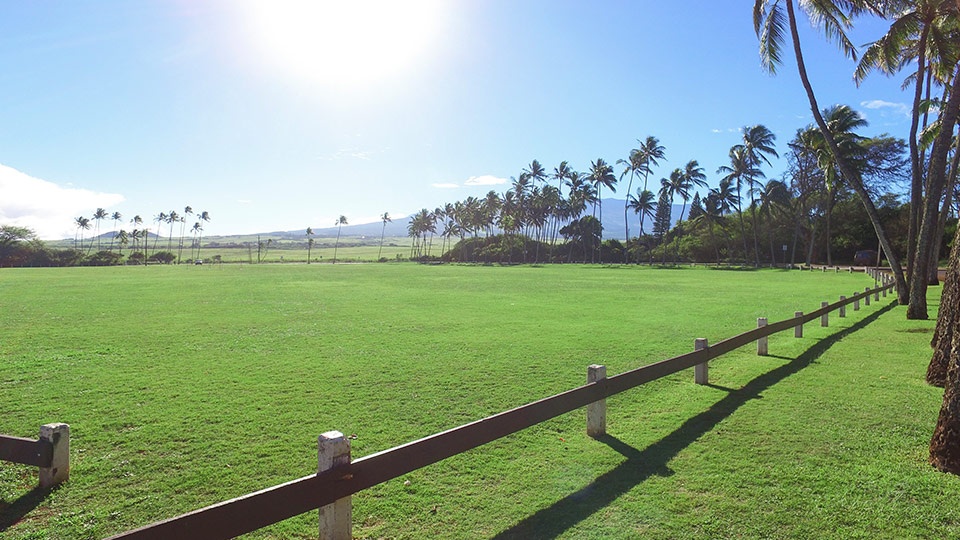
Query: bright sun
343, 44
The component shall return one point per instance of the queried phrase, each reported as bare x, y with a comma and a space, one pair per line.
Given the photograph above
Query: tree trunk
936, 177
947, 320
942, 221
845, 169
916, 180
945, 444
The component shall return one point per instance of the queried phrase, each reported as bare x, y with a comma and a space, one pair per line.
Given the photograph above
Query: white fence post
701, 371
58, 435
856, 302
866, 299
596, 411
762, 342
798, 329
876, 295
333, 450
825, 318
843, 307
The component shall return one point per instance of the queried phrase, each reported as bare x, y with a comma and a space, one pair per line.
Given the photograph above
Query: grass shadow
556, 519
11, 514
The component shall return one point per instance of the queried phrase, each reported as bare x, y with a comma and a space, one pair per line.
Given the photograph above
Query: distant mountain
612, 224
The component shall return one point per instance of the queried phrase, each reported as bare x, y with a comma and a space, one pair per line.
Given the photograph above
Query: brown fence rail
51, 452
266, 507
38, 453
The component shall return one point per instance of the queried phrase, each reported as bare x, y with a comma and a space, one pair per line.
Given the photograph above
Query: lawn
185, 386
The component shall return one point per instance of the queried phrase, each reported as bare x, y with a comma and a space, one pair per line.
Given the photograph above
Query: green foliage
162, 257
103, 258
224, 391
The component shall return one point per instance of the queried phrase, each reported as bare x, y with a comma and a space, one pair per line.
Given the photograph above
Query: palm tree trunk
845, 169
827, 230
942, 221
916, 179
937, 171
947, 321
756, 232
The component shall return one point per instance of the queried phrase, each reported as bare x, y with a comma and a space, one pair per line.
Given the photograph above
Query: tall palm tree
309, 234
758, 144
648, 155
834, 17
643, 204
341, 221
116, 217
136, 221
735, 174
83, 224
172, 217
196, 229
920, 32
122, 238
385, 218
159, 219
600, 176
692, 177
98, 215
187, 212
204, 217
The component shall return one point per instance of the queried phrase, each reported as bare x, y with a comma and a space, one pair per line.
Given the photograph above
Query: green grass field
185, 386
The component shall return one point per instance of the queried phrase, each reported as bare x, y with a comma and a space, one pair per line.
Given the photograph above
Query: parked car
865, 257
198, 261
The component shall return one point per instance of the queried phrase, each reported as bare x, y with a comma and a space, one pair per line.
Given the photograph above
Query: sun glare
343, 43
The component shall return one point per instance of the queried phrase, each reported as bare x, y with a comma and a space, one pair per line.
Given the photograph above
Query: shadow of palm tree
11, 514
552, 521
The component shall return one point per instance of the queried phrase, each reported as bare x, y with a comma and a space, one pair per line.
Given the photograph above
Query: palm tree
692, 177
137, 234
196, 229
341, 221
309, 243
834, 17
385, 218
204, 217
918, 32
758, 144
643, 204
640, 161
735, 174
83, 224
172, 218
159, 219
122, 238
97, 216
601, 175
116, 217
187, 212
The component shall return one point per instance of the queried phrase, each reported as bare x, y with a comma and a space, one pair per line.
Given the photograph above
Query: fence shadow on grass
11, 514
554, 520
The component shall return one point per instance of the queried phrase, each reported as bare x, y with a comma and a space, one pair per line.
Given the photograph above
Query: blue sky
282, 115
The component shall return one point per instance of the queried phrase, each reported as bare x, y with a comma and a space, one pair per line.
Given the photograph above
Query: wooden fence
51, 452
339, 477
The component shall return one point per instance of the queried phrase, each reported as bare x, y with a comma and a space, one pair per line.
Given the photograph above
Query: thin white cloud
445, 186
881, 105
484, 180
44, 206
348, 153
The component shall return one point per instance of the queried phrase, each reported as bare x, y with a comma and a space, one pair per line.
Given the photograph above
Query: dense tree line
19, 246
